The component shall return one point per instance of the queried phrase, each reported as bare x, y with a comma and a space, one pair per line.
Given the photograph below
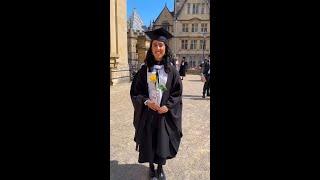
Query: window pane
197, 9
193, 8
202, 8
184, 28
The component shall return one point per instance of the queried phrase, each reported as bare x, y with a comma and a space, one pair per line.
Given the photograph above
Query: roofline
165, 7
178, 13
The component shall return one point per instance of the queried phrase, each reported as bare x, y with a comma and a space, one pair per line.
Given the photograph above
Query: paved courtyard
193, 159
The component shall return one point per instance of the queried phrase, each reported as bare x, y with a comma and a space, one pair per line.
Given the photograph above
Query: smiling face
158, 49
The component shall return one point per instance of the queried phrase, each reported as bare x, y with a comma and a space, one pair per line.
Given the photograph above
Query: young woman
156, 96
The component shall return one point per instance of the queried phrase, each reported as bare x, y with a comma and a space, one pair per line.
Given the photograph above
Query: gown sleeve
173, 118
139, 94
175, 97
174, 104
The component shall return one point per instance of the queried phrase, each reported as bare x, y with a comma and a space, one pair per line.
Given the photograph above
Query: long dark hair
166, 59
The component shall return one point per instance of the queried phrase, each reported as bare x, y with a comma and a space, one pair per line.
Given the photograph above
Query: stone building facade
118, 42
190, 25
138, 45
138, 42
165, 20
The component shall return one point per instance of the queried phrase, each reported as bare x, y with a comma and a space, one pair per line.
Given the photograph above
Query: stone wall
118, 40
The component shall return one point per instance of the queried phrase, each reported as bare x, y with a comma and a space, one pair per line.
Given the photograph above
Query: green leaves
162, 87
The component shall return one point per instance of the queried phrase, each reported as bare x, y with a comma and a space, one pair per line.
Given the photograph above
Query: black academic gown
157, 136
183, 69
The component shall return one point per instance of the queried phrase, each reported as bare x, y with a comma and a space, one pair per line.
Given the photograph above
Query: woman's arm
138, 93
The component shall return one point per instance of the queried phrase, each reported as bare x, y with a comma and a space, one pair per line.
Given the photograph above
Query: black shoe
203, 96
160, 174
152, 173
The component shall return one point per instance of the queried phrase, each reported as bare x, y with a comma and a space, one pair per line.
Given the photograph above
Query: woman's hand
163, 109
153, 105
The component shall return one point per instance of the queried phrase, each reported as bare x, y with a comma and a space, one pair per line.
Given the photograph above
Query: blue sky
148, 10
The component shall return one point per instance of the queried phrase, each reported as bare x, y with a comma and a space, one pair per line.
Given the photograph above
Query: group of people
156, 94
205, 73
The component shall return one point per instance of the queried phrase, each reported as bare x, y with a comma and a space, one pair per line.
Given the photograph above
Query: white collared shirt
154, 93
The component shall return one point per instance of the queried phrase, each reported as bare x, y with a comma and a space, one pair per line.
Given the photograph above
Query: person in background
205, 72
177, 64
183, 68
156, 95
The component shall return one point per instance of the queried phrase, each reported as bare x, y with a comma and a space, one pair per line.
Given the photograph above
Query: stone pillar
118, 41
113, 32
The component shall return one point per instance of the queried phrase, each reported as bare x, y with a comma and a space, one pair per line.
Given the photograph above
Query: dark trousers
206, 86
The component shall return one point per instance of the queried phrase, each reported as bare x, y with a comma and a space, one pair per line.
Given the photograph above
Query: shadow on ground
195, 97
128, 171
